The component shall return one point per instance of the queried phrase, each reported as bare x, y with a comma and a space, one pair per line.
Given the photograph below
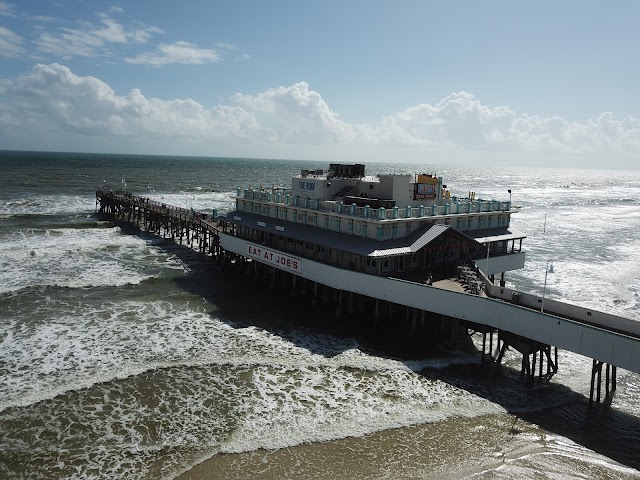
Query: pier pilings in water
533, 353
183, 226
596, 382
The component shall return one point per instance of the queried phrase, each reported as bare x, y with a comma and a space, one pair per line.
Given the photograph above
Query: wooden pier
184, 226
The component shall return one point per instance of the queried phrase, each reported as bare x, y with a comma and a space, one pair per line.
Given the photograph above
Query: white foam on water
275, 392
123, 431
76, 258
595, 253
42, 204
320, 403
201, 201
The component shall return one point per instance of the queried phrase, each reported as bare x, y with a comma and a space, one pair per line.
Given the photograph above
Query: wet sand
454, 448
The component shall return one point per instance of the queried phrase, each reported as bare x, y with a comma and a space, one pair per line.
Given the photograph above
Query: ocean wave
44, 204
46, 224
78, 258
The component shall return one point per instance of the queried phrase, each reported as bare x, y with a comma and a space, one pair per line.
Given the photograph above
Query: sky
542, 83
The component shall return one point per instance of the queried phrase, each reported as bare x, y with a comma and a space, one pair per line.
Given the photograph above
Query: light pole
548, 269
486, 267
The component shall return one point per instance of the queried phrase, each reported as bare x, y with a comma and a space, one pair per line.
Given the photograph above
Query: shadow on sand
552, 406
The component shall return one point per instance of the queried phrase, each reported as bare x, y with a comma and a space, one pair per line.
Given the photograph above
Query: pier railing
455, 206
154, 205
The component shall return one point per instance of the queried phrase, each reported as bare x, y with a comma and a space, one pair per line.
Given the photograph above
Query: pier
184, 226
405, 309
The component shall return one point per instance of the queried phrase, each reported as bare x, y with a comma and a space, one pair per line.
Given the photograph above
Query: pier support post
484, 342
350, 304
314, 301
325, 294
610, 382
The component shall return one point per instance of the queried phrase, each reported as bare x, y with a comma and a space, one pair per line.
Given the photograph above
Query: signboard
425, 187
422, 178
274, 257
425, 191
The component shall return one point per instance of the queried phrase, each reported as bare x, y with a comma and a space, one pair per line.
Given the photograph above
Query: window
371, 262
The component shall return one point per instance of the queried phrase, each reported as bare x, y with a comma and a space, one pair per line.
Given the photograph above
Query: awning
340, 241
495, 234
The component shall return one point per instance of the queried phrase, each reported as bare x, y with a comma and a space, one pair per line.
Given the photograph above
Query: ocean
126, 356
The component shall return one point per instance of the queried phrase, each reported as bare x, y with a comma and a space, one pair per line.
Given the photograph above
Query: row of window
367, 229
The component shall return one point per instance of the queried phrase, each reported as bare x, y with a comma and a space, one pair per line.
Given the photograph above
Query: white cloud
298, 114
178, 52
54, 99
10, 43
7, 9
461, 121
53, 102
91, 40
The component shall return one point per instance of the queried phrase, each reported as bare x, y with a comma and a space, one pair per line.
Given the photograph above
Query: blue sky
500, 82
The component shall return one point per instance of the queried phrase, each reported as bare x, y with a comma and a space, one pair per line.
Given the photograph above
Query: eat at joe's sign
272, 257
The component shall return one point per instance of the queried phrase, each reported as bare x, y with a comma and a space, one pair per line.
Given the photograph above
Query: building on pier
389, 225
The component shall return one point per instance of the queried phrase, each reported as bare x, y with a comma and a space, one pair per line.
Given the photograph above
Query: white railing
285, 198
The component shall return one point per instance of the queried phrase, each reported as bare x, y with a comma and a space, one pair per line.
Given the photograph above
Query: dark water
126, 356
